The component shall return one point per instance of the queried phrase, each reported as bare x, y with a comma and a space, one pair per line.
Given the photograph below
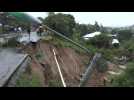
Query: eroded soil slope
72, 64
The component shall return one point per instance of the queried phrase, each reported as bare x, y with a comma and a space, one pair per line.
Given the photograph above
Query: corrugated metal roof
90, 35
115, 41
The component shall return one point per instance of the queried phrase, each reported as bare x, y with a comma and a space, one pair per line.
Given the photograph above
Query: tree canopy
63, 23
124, 34
101, 41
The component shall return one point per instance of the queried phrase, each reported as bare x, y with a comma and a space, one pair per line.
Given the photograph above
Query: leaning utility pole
59, 34
89, 70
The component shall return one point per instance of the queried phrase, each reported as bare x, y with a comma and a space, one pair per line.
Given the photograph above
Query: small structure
91, 35
112, 35
25, 39
115, 42
10, 63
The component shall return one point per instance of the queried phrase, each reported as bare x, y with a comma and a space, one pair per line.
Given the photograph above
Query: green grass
46, 38
60, 42
55, 83
39, 55
29, 80
126, 79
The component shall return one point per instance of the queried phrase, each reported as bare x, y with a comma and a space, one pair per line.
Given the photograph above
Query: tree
63, 23
76, 35
125, 35
82, 28
51, 13
126, 79
91, 28
97, 27
41, 19
3, 20
100, 41
7, 19
103, 29
114, 31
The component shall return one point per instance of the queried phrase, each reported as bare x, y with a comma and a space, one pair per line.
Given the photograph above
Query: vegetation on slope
65, 24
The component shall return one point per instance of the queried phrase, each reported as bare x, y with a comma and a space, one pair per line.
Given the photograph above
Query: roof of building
115, 41
91, 35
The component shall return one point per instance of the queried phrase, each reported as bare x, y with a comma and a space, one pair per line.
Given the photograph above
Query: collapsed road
65, 61
10, 63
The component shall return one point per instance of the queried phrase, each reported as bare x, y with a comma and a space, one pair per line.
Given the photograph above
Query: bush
55, 83
63, 23
125, 35
11, 43
60, 42
102, 65
29, 79
100, 41
126, 79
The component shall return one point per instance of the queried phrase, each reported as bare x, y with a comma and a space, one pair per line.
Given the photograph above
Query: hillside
59, 52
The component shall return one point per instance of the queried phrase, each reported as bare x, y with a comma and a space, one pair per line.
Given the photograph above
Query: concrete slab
9, 62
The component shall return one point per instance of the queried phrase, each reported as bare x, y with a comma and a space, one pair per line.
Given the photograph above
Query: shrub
100, 41
11, 43
55, 83
29, 80
124, 35
126, 78
102, 65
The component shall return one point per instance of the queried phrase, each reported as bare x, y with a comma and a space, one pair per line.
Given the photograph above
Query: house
115, 42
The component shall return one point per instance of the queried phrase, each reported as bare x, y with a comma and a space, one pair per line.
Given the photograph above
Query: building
115, 42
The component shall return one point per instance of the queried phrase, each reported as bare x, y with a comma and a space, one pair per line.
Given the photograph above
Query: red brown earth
72, 65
